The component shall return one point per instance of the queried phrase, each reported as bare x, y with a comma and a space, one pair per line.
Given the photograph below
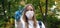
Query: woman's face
29, 12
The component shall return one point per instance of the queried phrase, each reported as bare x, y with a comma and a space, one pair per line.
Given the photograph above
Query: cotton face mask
29, 14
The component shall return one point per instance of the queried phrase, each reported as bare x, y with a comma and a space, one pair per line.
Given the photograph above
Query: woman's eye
31, 9
26, 10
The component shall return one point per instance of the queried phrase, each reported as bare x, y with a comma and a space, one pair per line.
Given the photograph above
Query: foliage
7, 19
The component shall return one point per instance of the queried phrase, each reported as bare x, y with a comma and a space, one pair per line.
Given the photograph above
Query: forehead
29, 7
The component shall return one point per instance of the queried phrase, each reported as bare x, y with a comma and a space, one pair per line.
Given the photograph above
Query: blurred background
47, 11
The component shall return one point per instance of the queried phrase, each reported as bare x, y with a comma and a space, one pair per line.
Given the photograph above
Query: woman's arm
22, 23
18, 24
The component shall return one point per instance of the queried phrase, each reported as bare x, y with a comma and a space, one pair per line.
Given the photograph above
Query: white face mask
29, 14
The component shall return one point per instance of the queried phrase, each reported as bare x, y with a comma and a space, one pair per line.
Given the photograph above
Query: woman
28, 20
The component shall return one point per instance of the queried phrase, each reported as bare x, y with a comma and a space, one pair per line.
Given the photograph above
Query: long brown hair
25, 18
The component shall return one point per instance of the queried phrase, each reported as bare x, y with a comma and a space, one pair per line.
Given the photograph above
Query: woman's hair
25, 18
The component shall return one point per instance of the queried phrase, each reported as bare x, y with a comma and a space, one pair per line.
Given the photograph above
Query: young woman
28, 20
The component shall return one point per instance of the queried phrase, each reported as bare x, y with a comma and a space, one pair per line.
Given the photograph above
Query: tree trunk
44, 16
